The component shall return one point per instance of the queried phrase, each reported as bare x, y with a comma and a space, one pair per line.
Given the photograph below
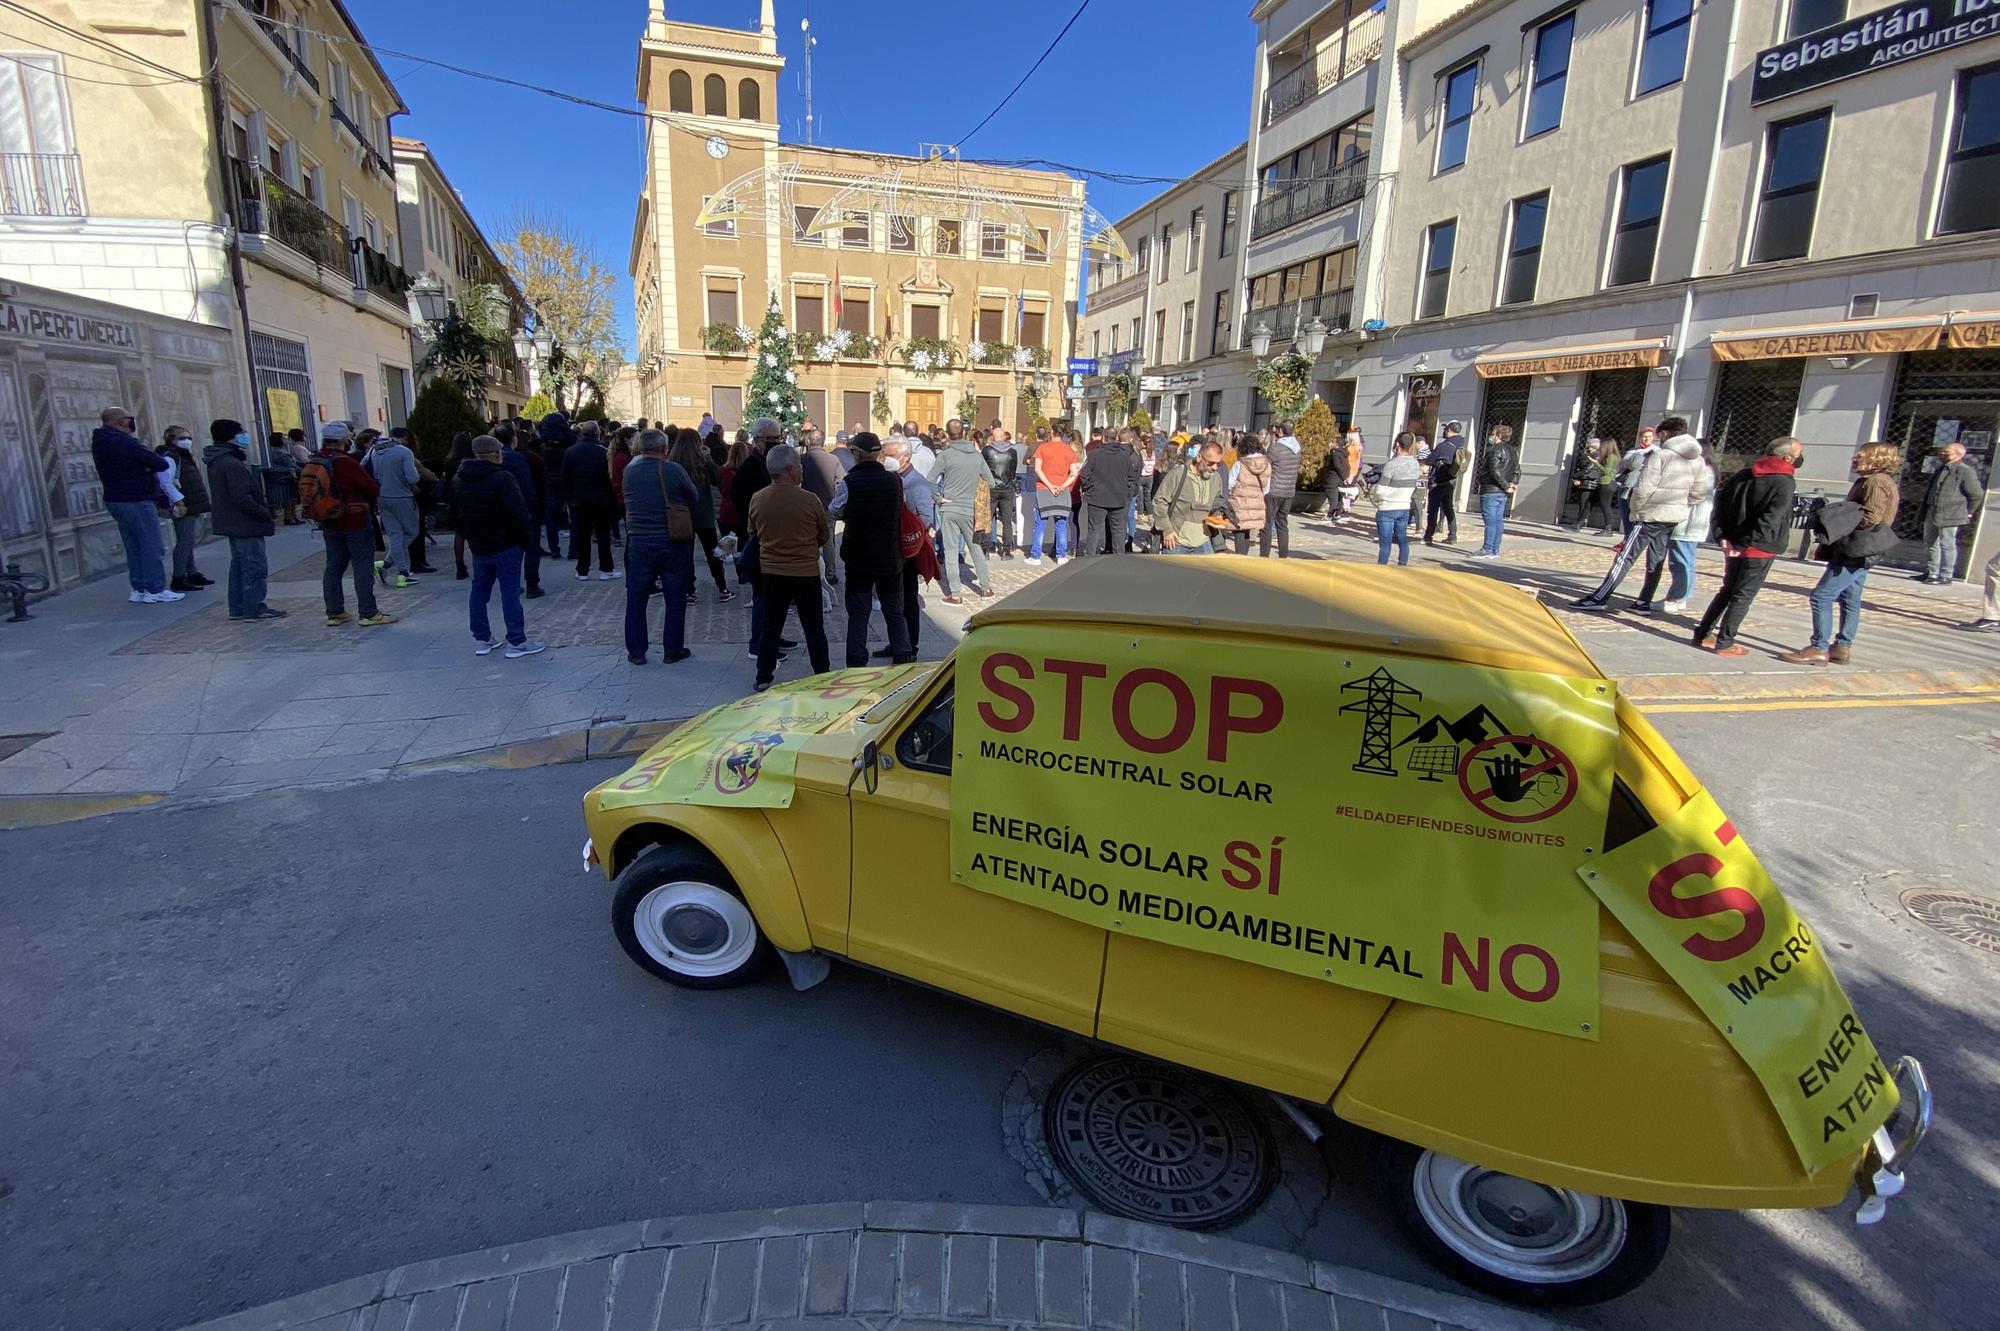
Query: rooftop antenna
806, 27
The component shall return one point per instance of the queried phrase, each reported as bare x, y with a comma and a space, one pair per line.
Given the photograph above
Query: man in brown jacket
789, 525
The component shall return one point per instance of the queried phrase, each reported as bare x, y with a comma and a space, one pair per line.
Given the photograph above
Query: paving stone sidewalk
880, 1265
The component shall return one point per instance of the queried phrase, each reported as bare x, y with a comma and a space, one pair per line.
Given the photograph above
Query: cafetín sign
1873, 41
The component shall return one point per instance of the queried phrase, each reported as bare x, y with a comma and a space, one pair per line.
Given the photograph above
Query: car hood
744, 754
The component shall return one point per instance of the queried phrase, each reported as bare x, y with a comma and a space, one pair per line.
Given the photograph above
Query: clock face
718, 147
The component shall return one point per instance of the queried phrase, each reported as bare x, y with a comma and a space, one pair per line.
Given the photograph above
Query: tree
774, 385
537, 407
442, 410
1316, 430
1142, 421
469, 341
558, 271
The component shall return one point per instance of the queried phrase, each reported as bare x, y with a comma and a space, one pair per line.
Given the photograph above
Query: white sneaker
528, 648
140, 598
606, 577
481, 647
1036, 560
583, 577
161, 598
1674, 607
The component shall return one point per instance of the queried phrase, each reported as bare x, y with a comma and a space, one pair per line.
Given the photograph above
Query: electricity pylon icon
1379, 709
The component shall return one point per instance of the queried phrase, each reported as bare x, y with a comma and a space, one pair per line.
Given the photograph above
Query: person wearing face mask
241, 516
186, 515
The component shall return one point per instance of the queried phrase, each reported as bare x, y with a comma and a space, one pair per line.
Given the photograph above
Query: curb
19, 811
1774, 685
567, 746
352, 1302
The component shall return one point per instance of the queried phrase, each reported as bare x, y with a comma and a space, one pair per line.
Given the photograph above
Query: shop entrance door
1942, 397
1612, 401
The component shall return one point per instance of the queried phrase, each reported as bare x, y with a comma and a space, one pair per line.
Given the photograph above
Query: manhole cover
1153, 1142
1973, 920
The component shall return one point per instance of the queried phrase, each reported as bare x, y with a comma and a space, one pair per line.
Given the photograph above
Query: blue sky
1156, 88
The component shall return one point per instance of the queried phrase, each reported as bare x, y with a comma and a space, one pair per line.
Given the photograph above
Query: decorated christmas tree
774, 382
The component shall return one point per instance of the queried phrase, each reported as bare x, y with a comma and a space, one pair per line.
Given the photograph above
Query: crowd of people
796, 513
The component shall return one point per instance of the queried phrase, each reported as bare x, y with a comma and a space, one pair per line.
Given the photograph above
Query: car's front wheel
678, 915
1522, 1240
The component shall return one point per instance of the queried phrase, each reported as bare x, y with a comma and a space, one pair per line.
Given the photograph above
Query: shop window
1524, 249
1505, 403
1812, 15
1972, 164
1643, 197
1663, 51
1794, 155
1439, 242
1456, 114
1551, 75
1756, 401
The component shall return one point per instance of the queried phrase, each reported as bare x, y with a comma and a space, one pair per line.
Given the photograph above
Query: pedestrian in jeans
1686, 539
348, 534
129, 473
489, 510
1054, 467
1247, 482
1629, 467
660, 532
1954, 495
957, 474
1003, 470
526, 469
396, 470
586, 482
1753, 515
789, 525
1498, 478
1672, 479
1394, 488
1849, 558
186, 516
869, 502
241, 517
1286, 455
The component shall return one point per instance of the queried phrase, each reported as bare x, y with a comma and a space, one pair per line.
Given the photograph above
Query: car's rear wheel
678, 915
1522, 1240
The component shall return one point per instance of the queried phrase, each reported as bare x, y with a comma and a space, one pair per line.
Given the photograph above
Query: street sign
1082, 365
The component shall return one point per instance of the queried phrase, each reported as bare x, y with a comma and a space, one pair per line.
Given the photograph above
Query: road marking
1803, 704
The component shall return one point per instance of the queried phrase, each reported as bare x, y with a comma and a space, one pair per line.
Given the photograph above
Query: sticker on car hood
745, 754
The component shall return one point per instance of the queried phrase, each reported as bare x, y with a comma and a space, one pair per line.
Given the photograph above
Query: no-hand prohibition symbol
1523, 769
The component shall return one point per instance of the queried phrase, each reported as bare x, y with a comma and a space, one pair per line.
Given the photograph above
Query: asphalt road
255, 1047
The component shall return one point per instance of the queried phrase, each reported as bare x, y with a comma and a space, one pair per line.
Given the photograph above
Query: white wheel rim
1525, 1231
694, 929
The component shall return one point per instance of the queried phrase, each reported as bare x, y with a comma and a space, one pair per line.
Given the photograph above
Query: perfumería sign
1860, 45
1170, 383
39, 321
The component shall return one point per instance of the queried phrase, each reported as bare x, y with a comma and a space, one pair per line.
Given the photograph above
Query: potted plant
1317, 432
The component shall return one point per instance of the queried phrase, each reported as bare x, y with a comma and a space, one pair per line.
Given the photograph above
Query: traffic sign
1082, 365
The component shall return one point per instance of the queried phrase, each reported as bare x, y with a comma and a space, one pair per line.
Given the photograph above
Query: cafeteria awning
1858, 337
1573, 360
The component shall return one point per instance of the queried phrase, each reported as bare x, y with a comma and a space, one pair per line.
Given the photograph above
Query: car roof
1413, 611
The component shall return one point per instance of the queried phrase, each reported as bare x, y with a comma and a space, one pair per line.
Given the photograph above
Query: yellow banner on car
746, 753
1696, 898
1387, 823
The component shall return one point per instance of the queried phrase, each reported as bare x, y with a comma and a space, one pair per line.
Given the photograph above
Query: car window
926, 742
1626, 819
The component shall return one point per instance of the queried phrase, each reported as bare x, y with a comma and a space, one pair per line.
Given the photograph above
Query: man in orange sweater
789, 525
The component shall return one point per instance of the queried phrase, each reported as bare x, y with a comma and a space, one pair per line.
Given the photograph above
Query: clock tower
712, 94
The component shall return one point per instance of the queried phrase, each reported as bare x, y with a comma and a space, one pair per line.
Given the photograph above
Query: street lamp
524, 345
1260, 340
545, 344
1312, 338
433, 305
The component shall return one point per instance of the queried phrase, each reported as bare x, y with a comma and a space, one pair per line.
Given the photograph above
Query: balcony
377, 274
346, 121
266, 205
1335, 309
41, 185
1333, 63
281, 37
1291, 204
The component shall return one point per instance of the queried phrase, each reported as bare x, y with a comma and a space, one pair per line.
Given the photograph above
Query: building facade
1164, 318
443, 244
131, 179
874, 258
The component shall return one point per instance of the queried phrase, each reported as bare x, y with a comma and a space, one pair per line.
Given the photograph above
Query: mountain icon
1476, 725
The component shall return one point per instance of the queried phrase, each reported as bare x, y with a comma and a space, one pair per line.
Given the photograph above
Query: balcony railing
378, 274
1290, 204
1334, 63
41, 184
281, 37
361, 137
267, 205
1335, 309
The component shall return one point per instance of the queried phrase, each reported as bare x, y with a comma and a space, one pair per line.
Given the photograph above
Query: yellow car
1382, 840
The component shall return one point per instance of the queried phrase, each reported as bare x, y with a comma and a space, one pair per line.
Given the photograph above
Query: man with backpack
334, 492
1753, 517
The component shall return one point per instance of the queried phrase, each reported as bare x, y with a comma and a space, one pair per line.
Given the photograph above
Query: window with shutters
987, 414
1034, 328
947, 236
1227, 245
722, 305
992, 324
816, 406
992, 240
902, 233
1195, 236
803, 216
1036, 251
724, 227
854, 409
43, 175
926, 321
857, 234
856, 305
1159, 335
725, 403
809, 311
